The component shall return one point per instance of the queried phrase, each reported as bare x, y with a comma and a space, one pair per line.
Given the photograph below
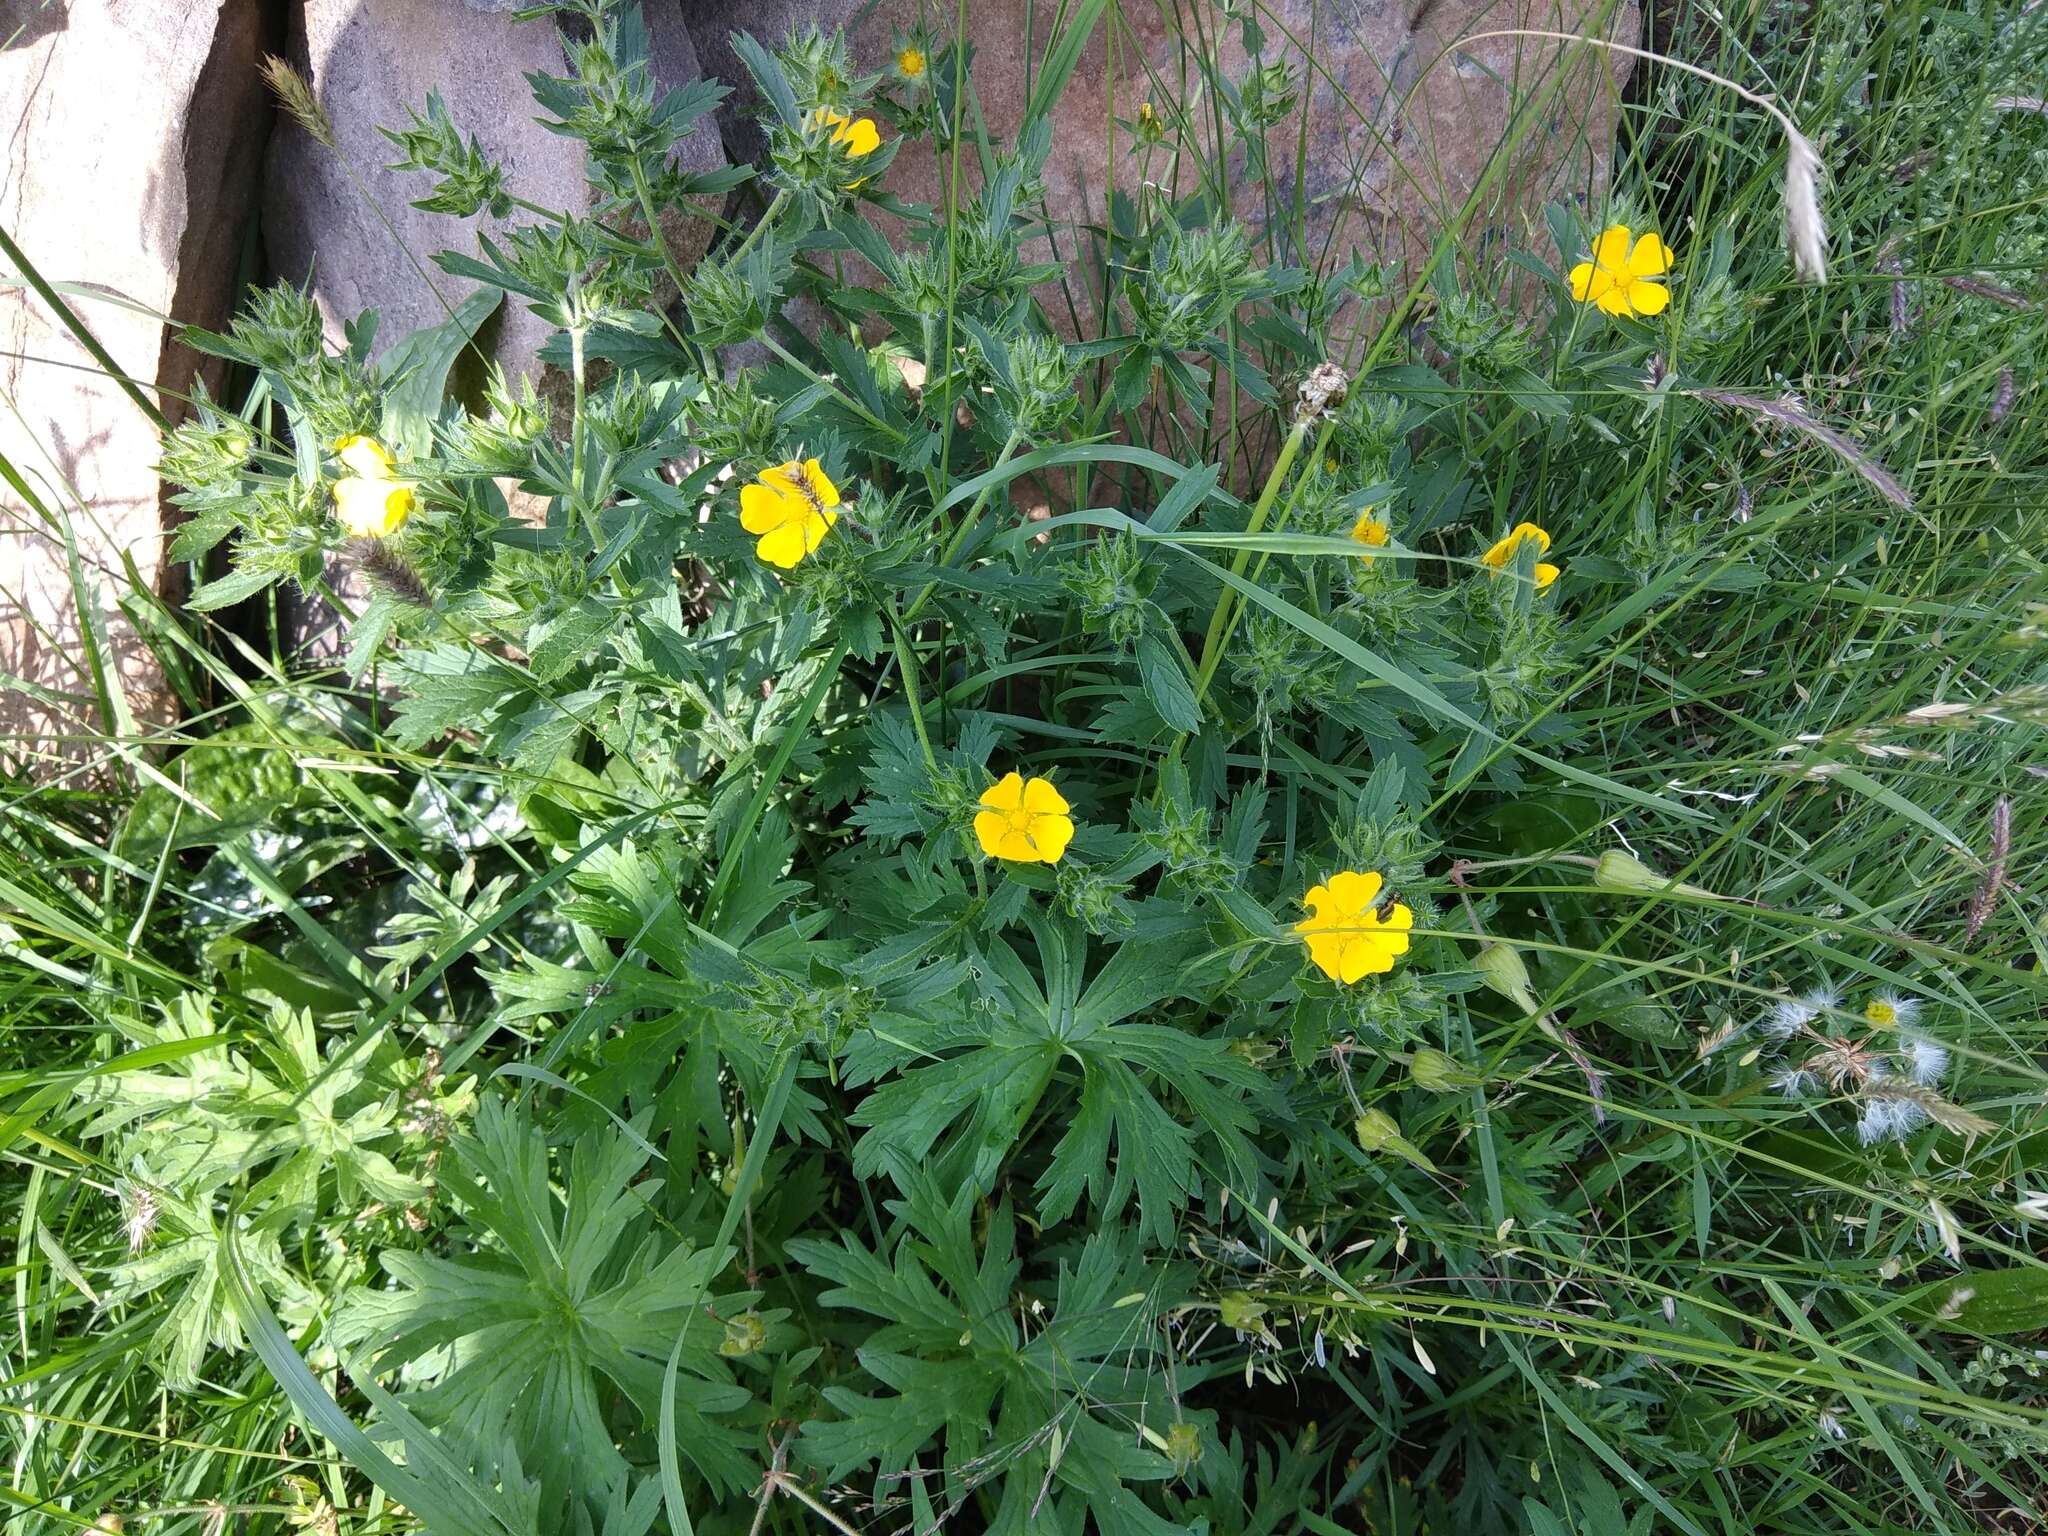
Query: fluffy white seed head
1806, 232
1926, 1062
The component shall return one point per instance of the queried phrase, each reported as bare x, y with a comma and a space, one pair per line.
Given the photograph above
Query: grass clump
1100, 909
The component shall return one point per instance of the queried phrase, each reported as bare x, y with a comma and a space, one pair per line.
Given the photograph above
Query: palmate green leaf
566, 1302
983, 1076
957, 1362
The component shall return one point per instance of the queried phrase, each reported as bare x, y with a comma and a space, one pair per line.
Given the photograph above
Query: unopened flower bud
1501, 966
1434, 1072
1376, 1130
1615, 870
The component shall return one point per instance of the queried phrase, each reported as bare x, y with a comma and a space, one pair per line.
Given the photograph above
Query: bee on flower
1621, 277
790, 509
1024, 821
1349, 931
371, 502
1502, 554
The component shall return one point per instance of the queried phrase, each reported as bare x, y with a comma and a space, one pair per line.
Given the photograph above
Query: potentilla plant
988, 734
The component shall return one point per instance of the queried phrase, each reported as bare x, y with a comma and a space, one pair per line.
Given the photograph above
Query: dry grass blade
1881, 479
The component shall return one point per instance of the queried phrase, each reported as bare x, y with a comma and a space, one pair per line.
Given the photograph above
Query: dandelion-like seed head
1795, 1082
1888, 1010
1926, 1063
1787, 1018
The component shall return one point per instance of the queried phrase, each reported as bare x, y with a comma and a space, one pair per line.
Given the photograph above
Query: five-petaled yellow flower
910, 62
1370, 532
1502, 553
1023, 820
857, 136
371, 502
1347, 935
1618, 278
790, 508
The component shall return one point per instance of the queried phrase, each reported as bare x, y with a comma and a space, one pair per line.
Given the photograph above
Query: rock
371, 64
136, 133
1399, 133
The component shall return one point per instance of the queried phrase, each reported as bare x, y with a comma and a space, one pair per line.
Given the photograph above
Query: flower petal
1017, 846
1041, 797
1650, 258
1648, 298
1354, 892
1006, 794
782, 546
372, 509
1545, 575
989, 830
366, 457
1364, 957
1611, 249
816, 525
1583, 278
1052, 834
1615, 301
821, 485
1327, 951
861, 137
763, 509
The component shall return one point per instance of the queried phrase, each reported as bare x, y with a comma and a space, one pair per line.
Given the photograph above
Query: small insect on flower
858, 136
789, 508
1370, 532
1618, 278
1025, 821
1503, 552
371, 502
1348, 934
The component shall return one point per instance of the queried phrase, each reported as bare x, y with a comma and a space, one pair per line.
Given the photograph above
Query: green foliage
585, 1070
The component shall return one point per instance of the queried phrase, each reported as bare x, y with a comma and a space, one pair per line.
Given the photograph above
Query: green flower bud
1501, 966
1434, 1072
1377, 1131
1615, 870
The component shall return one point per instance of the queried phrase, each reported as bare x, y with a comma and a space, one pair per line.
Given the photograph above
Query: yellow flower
859, 136
1879, 1011
366, 457
790, 508
371, 503
1023, 820
910, 62
1618, 277
1346, 936
1145, 112
1502, 553
1370, 532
